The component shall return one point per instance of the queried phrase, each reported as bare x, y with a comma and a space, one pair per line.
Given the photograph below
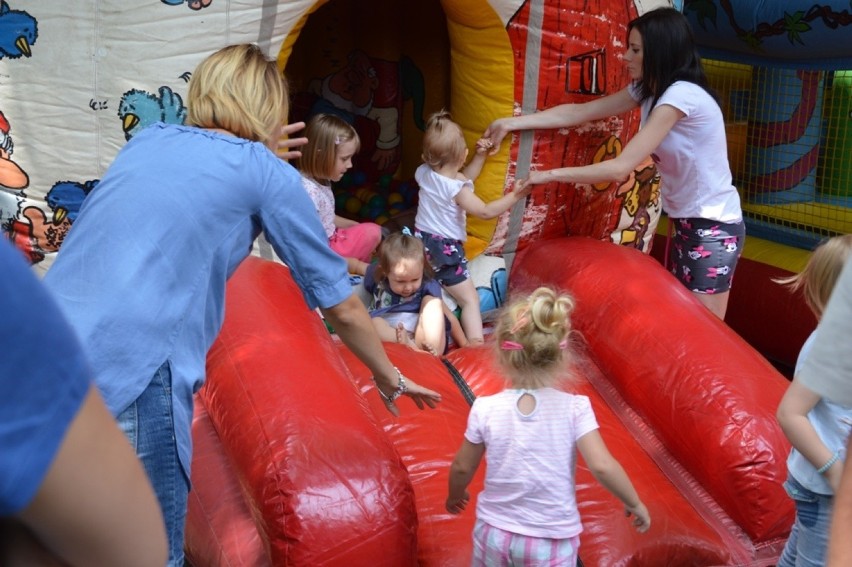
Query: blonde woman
142, 275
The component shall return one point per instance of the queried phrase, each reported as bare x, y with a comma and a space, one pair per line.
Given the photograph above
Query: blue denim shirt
141, 275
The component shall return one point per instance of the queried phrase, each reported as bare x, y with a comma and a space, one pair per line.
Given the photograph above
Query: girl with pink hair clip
528, 515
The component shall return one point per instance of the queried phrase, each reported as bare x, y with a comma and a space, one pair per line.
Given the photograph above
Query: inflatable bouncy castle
296, 461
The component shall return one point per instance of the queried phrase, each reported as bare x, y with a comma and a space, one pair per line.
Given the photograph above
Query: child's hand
522, 188
484, 145
456, 505
641, 518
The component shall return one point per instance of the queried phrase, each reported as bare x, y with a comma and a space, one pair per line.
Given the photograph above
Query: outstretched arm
608, 471
561, 116
660, 122
352, 323
96, 505
461, 472
474, 167
475, 206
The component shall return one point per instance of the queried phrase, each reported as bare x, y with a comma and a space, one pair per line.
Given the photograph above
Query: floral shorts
446, 256
704, 253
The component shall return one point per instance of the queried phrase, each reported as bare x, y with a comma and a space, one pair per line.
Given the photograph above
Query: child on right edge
528, 515
817, 429
446, 196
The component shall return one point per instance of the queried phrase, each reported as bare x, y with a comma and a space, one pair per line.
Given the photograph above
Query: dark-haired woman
684, 132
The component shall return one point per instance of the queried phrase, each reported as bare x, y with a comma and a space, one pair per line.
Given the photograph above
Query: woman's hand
286, 143
495, 132
421, 396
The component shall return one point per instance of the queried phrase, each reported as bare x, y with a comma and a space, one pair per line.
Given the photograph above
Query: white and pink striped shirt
530, 460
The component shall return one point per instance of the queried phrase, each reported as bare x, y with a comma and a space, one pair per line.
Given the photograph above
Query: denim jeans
149, 424
808, 541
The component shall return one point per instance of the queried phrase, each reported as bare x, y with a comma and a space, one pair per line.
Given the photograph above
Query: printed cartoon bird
139, 109
192, 4
66, 197
18, 32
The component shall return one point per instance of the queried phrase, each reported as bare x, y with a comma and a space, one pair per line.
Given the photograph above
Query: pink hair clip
337, 140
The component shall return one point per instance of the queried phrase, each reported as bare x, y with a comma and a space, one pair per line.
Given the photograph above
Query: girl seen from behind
407, 302
526, 518
817, 429
332, 143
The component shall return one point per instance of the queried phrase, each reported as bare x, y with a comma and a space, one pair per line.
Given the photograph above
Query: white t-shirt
832, 422
530, 460
827, 370
437, 211
323, 199
693, 157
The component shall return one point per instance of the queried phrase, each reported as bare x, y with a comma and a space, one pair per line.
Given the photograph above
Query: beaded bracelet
400, 389
828, 464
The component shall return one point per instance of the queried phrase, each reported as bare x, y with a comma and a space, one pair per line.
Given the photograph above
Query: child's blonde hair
531, 337
239, 90
325, 133
399, 246
821, 272
443, 141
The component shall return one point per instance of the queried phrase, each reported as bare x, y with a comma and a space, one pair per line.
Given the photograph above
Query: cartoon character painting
368, 93
139, 109
18, 32
191, 4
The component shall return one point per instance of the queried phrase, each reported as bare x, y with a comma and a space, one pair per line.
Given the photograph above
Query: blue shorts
704, 253
446, 256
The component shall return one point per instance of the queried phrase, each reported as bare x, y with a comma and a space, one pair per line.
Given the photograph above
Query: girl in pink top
527, 514
332, 142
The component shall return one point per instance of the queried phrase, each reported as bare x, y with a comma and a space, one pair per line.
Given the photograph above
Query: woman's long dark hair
668, 53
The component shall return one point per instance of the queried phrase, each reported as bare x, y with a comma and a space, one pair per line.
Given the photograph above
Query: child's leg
390, 334
456, 331
358, 241
471, 318
430, 334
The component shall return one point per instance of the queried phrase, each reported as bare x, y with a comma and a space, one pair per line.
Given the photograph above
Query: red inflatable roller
427, 441
706, 395
222, 531
323, 483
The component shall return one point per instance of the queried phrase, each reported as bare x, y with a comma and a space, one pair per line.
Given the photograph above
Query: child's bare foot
403, 338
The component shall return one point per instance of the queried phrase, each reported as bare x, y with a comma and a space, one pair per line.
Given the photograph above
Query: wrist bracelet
828, 464
400, 389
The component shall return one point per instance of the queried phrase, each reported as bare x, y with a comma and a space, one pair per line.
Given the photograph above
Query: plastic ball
365, 194
381, 219
364, 211
394, 198
385, 181
359, 177
353, 205
377, 202
346, 180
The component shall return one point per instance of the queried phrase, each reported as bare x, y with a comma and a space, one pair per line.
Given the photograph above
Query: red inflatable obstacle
298, 454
